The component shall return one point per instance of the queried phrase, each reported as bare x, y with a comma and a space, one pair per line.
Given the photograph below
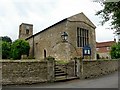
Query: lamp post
64, 36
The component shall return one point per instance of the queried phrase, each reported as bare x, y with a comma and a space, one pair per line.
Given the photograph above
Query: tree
115, 51
18, 48
6, 39
111, 11
6, 47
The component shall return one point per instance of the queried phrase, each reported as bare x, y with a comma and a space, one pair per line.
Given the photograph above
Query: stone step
57, 68
64, 78
59, 71
60, 78
60, 74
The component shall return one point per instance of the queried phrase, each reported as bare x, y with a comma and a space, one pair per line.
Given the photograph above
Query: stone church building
80, 31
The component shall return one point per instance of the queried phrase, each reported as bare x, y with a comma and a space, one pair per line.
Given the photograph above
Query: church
63, 40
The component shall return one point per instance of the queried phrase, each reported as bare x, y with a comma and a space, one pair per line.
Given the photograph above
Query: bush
50, 58
18, 48
115, 51
6, 48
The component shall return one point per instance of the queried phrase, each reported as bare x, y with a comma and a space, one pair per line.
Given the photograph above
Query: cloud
43, 13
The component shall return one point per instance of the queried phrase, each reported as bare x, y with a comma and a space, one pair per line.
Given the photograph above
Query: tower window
27, 31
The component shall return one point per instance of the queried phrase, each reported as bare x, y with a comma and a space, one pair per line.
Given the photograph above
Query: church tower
25, 30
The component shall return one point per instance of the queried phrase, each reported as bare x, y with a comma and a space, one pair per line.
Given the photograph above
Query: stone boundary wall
23, 72
92, 69
33, 71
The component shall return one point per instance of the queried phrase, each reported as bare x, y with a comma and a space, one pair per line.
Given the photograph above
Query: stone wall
32, 71
50, 40
21, 72
92, 69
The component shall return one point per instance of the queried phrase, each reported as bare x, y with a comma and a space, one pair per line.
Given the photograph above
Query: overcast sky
43, 13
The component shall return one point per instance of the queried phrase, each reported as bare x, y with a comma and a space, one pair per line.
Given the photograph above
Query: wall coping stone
25, 61
100, 60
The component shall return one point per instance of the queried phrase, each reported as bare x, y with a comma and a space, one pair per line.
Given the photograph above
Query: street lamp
64, 36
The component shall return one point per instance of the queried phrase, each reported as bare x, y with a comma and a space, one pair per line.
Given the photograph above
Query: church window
45, 53
82, 37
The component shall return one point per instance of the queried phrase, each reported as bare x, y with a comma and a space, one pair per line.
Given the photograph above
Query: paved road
107, 81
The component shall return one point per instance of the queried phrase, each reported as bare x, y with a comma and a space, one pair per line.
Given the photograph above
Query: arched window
45, 53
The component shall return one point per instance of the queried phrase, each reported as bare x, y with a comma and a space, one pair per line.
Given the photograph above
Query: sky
44, 13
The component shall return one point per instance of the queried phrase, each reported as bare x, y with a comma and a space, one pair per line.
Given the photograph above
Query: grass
62, 62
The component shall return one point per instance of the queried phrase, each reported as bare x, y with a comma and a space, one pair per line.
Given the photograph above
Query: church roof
80, 17
75, 18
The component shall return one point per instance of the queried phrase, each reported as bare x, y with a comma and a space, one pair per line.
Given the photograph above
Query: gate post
78, 68
50, 68
79, 64
81, 67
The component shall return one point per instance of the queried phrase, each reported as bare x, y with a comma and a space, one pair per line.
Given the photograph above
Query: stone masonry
32, 71
48, 42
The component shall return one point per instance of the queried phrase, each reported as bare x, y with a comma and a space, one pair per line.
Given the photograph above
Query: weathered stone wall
31, 71
105, 55
72, 26
52, 42
93, 69
20, 72
22, 30
49, 40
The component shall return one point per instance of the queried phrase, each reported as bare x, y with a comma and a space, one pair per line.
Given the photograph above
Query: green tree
6, 47
115, 51
18, 48
6, 39
111, 11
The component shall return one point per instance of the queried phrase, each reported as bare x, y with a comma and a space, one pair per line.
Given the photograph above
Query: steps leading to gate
59, 74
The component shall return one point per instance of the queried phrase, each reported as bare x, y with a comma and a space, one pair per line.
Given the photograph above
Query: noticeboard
86, 50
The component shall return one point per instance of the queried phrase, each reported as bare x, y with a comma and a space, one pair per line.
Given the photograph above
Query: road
107, 81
